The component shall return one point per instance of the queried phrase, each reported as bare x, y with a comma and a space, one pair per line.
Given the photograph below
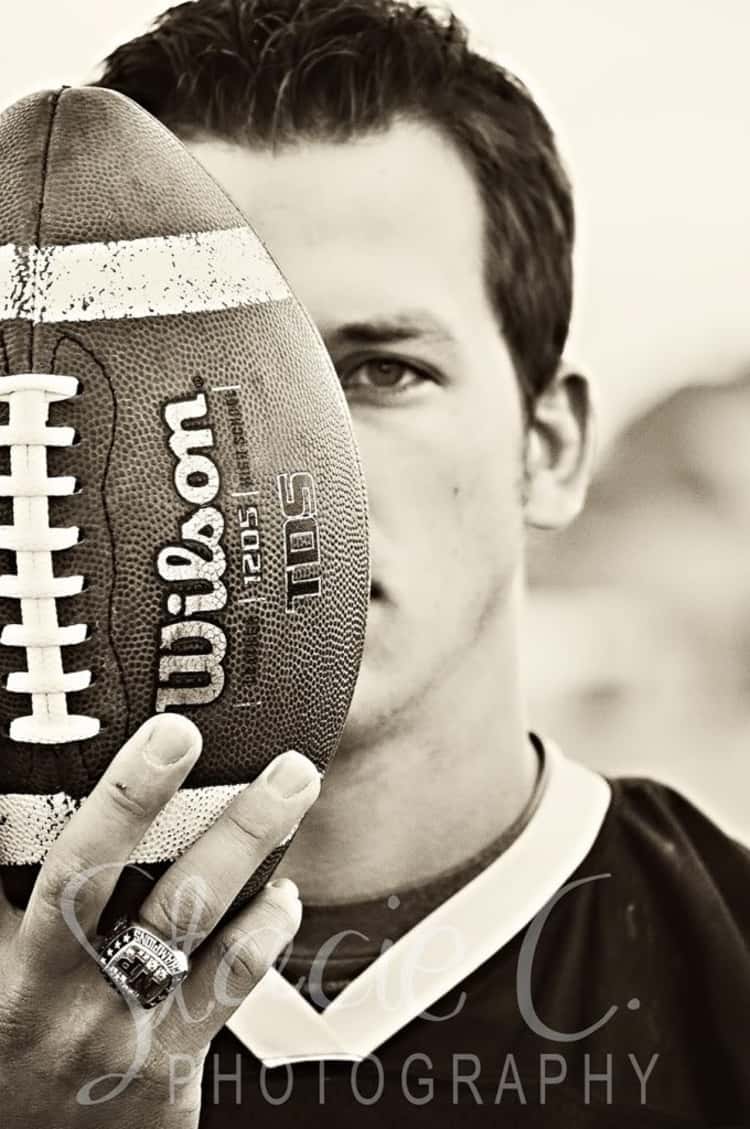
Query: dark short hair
271, 72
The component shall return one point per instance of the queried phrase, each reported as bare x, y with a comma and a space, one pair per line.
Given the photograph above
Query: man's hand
61, 1025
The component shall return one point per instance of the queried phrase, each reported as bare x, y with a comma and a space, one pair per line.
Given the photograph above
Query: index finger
102, 834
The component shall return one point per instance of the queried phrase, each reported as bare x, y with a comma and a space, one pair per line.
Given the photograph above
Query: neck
398, 811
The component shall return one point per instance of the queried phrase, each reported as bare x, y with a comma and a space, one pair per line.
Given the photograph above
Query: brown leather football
183, 514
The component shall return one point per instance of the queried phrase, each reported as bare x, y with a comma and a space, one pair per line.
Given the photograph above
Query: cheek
409, 469
440, 494
486, 506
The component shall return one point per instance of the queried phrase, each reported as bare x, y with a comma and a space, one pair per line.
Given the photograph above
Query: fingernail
171, 737
286, 885
290, 773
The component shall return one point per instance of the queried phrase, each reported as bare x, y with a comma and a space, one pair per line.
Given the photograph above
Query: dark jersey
623, 1001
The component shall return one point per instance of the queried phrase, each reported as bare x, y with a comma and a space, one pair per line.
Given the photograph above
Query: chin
361, 719
388, 664
381, 697
372, 704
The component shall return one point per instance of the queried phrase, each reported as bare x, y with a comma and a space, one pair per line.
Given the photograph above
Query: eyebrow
410, 326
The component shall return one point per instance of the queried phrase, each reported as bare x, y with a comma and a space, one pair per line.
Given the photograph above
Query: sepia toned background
639, 615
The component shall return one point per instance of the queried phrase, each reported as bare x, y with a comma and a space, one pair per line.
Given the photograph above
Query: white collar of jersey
279, 1026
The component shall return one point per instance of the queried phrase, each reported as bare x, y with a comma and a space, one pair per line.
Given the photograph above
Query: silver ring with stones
140, 964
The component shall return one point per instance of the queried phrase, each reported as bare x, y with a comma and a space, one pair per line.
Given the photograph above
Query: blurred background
639, 615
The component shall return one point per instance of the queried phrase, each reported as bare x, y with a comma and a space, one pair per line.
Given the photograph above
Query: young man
487, 924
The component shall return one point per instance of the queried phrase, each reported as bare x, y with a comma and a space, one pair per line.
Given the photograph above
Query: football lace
28, 434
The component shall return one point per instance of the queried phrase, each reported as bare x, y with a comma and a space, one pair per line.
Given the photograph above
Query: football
184, 519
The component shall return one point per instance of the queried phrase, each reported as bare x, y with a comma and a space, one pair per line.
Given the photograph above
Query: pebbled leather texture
86, 166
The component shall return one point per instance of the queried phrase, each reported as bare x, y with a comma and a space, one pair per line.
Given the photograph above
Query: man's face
382, 239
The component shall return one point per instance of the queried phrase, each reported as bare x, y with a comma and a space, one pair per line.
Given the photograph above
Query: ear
559, 451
